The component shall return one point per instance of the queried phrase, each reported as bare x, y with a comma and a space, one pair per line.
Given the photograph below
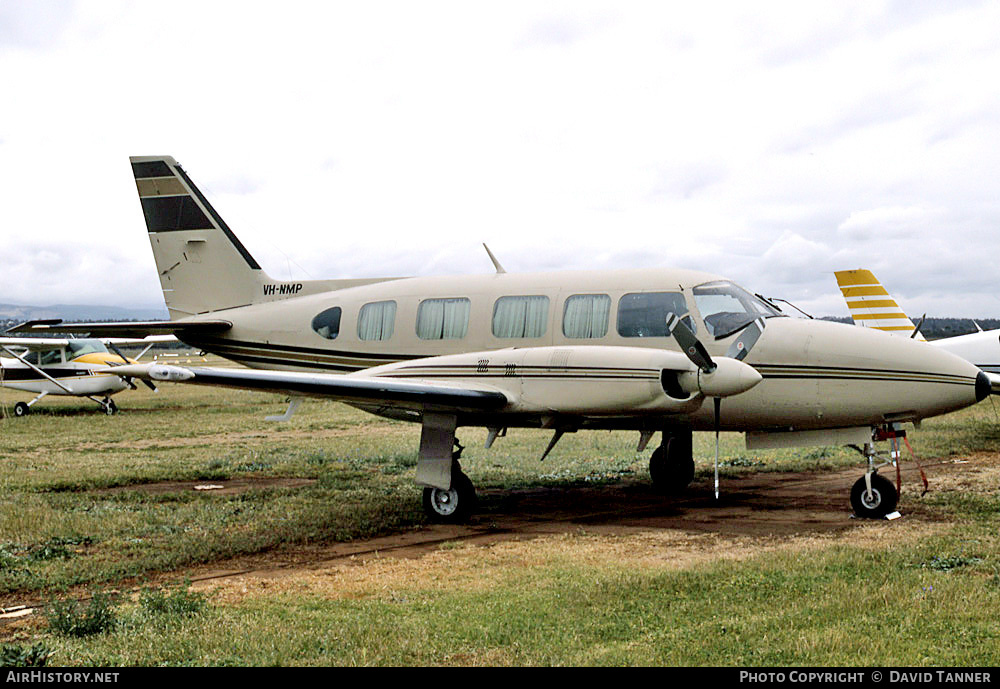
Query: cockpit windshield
80, 347
727, 308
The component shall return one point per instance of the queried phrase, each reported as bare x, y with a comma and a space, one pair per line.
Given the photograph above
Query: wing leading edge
130, 329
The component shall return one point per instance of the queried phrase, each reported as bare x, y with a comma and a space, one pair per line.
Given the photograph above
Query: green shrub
12, 655
180, 601
67, 618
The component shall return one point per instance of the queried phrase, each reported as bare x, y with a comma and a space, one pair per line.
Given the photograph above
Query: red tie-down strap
923, 476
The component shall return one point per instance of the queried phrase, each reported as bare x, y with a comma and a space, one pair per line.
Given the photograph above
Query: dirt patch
225, 487
602, 524
231, 438
754, 513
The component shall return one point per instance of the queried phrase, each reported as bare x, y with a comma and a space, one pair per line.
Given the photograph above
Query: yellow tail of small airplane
871, 305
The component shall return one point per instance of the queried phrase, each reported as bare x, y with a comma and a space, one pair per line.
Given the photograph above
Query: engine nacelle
584, 380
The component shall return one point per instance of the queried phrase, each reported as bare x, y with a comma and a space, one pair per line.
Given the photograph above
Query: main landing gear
449, 495
453, 505
671, 466
107, 405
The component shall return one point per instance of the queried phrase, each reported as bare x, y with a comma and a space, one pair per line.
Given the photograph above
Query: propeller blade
718, 409
919, 326
690, 344
115, 350
742, 345
149, 384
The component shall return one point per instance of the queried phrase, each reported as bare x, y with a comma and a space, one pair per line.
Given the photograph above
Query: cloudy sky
771, 142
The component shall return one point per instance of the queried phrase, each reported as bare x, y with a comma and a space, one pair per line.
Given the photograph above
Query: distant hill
936, 328
79, 312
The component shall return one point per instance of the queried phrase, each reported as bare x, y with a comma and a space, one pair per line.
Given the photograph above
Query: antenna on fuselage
496, 263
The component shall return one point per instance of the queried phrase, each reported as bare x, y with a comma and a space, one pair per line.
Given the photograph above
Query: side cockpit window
81, 347
327, 323
726, 307
45, 357
644, 314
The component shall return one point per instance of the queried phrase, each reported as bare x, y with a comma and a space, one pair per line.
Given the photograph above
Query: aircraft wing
46, 343
34, 343
127, 329
410, 394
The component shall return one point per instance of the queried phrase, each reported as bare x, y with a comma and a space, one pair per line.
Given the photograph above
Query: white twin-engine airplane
76, 367
641, 350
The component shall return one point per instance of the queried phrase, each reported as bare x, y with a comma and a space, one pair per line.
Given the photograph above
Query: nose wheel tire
451, 506
880, 503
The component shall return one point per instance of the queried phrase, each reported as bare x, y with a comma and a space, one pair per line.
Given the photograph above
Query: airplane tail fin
871, 305
202, 265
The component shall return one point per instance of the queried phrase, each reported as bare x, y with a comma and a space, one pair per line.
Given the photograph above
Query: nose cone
852, 375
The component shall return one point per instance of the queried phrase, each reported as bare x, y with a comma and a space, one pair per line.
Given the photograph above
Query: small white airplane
77, 367
639, 350
872, 306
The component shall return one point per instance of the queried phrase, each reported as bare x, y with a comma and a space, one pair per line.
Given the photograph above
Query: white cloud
767, 142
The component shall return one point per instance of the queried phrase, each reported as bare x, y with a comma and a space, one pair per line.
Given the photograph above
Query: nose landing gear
873, 496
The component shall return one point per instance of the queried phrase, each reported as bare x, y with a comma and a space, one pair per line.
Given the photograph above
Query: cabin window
644, 314
376, 320
526, 316
327, 323
586, 316
443, 319
44, 358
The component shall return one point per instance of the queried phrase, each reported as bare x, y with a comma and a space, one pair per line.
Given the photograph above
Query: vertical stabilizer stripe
218, 220
153, 168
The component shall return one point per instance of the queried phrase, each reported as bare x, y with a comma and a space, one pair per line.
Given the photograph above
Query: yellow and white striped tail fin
871, 305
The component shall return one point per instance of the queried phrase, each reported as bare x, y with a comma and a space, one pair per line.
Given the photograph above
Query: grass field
915, 592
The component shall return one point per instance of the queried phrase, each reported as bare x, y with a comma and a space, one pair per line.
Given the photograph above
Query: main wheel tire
451, 506
21, 409
882, 501
111, 408
671, 469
